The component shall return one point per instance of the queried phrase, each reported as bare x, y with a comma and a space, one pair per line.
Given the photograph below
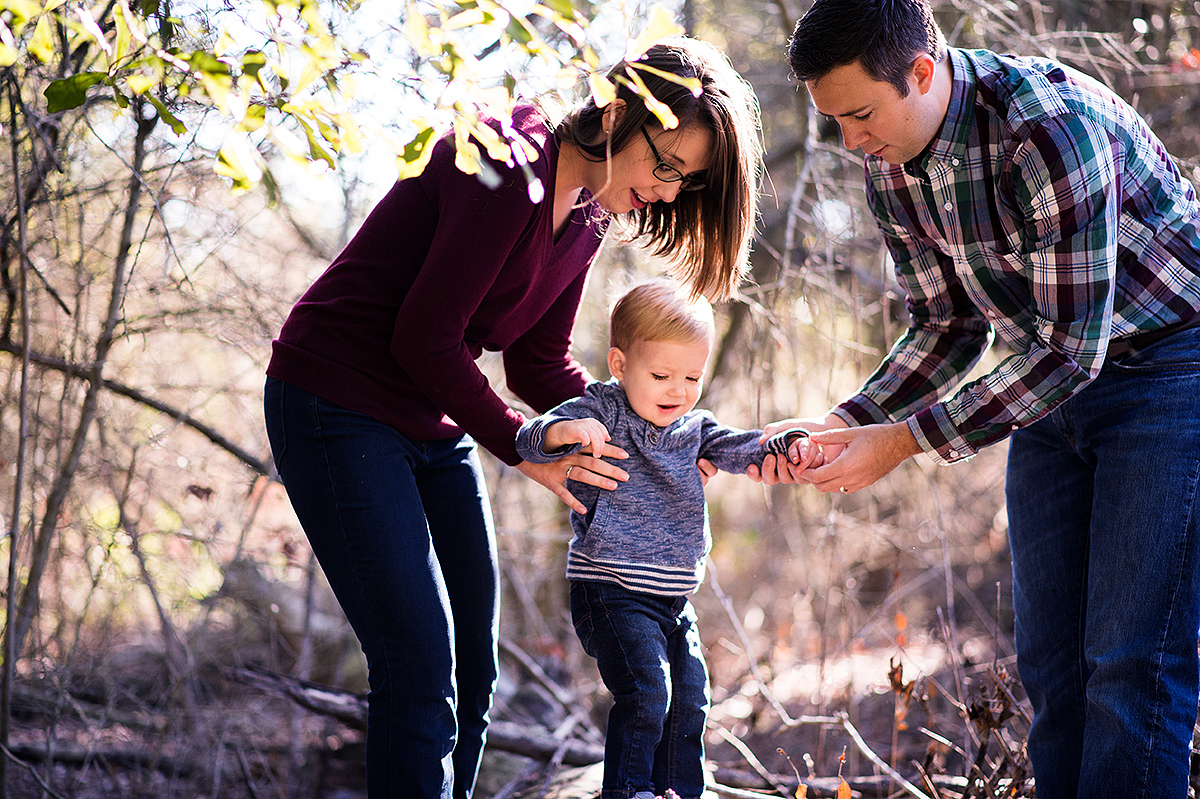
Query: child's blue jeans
648, 652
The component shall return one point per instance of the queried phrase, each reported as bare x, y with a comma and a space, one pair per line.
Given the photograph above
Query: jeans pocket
581, 616
1176, 353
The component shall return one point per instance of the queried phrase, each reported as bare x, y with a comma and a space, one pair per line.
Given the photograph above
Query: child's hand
588, 433
805, 453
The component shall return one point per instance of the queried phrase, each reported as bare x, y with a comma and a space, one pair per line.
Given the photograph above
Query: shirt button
654, 438
948, 206
954, 161
1016, 427
952, 455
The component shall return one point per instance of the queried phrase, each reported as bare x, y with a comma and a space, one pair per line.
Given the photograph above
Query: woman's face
626, 181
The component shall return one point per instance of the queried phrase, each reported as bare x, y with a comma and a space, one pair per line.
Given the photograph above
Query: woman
374, 403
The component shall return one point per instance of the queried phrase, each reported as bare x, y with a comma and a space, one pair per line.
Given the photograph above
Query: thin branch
85, 372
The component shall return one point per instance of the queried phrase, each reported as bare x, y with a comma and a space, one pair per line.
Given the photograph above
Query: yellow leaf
41, 44
691, 84
218, 88
660, 109
124, 35
224, 44
801, 791
661, 26
237, 162
603, 90
413, 156
466, 154
140, 84
8, 55
843, 791
465, 19
351, 136
416, 30
22, 11
497, 148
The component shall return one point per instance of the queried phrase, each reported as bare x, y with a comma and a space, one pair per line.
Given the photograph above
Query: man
1020, 198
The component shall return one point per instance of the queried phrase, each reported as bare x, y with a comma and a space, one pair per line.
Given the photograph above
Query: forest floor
229, 733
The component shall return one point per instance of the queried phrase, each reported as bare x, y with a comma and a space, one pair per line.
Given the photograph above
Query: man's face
872, 114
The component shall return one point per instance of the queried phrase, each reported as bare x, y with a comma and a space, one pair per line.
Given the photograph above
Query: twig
876, 759
563, 696
33, 771
727, 603
754, 762
563, 733
246, 775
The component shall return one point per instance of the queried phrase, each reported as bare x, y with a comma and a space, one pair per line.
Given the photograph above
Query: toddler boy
639, 550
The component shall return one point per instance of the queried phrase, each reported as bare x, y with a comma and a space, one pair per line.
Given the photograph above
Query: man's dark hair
884, 35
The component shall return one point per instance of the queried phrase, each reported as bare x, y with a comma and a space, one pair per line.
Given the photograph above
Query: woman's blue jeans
648, 652
1105, 541
403, 532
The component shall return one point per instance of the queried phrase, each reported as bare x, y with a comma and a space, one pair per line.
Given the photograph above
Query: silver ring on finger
568, 475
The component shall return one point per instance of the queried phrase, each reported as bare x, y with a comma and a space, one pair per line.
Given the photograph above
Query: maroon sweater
442, 269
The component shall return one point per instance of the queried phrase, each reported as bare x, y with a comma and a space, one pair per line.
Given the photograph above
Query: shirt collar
951, 139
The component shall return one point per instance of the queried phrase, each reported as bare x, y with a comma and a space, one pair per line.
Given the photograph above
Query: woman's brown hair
705, 234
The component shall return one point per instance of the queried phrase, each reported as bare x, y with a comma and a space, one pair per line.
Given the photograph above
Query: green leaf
562, 7
207, 63
520, 31
166, 116
252, 62
62, 95
416, 150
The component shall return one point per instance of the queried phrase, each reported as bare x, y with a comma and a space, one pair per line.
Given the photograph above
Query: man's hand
867, 454
778, 470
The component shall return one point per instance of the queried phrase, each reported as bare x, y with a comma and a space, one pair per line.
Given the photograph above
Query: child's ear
616, 363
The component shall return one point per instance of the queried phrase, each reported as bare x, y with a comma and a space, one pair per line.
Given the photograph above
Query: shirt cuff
532, 437
778, 444
938, 436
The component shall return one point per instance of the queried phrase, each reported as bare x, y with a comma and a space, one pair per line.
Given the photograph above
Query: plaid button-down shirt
1046, 210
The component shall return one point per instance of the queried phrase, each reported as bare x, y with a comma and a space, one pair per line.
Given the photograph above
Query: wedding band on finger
842, 489
568, 475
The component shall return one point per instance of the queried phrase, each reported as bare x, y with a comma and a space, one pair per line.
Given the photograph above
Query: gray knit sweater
651, 534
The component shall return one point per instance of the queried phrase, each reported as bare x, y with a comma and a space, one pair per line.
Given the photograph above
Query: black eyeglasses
669, 174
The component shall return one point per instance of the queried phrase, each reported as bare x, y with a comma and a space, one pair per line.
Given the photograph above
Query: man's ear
616, 363
923, 71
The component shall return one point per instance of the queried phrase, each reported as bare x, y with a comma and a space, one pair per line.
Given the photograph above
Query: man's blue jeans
403, 532
1105, 541
648, 652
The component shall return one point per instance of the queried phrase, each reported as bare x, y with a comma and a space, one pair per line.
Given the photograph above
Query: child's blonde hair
659, 310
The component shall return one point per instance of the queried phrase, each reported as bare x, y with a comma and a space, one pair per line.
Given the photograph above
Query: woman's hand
581, 468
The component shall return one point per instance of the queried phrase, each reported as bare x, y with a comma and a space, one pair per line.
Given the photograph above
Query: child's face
662, 379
